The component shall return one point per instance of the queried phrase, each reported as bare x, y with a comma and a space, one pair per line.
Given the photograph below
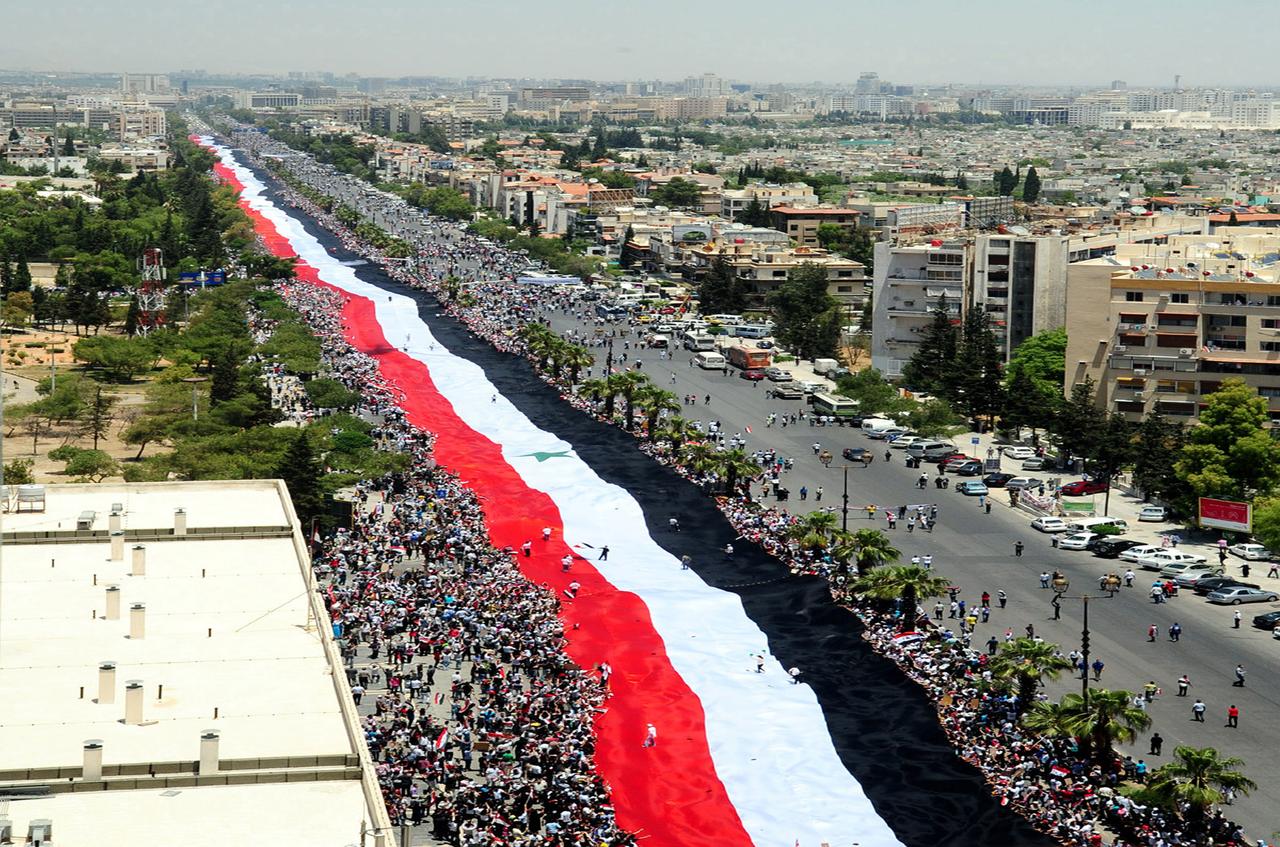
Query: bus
709, 361
830, 404
748, 357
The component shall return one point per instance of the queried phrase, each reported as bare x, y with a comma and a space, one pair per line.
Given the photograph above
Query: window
1268, 391
1175, 386
1130, 340
1270, 346
1167, 407
1271, 323
1133, 296
1273, 300
1178, 320
1171, 340
1130, 406
1221, 321
844, 289
1179, 297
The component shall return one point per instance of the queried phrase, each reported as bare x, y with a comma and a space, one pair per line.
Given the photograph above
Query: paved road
975, 549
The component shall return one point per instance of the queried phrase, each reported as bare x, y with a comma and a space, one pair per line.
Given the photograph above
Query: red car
753, 374
1083, 487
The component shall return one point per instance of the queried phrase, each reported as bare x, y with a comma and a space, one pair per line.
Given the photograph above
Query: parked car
1178, 569
752, 374
855, 454
887, 432
1252, 552
1213, 583
1237, 595
902, 442
1133, 554
1019, 452
1083, 487
1045, 523
971, 487
1191, 577
1162, 559
1076, 540
1153, 513
954, 456
997, 480
1110, 547
1267, 620
970, 468
1020, 482
777, 375
1038, 463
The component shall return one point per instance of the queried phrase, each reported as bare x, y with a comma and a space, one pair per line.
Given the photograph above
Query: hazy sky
917, 41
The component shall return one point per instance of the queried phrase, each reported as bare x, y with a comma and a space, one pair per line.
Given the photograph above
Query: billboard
1226, 514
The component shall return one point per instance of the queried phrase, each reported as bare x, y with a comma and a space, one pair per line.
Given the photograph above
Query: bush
18, 472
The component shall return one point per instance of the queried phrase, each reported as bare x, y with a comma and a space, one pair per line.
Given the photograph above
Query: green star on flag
543, 455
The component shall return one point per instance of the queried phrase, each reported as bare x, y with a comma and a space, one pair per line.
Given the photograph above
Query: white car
902, 442
1179, 568
1045, 523
1076, 540
1189, 577
1162, 559
1252, 552
1152, 513
1133, 554
1019, 453
1236, 596
1023, 482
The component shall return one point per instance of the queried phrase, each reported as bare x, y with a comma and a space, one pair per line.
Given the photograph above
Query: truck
748, 357
821, 366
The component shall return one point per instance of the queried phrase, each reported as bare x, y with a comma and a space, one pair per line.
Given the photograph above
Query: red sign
1226, 514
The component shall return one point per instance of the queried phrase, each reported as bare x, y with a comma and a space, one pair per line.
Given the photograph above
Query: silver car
1236, 596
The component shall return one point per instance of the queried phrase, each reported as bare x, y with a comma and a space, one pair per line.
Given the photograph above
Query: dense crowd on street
416, 588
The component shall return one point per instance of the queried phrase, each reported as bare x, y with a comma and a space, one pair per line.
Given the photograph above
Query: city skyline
1002, 47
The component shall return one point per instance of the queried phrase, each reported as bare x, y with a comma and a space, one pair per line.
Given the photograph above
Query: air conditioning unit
1120, 348
1186, 351
1139, 371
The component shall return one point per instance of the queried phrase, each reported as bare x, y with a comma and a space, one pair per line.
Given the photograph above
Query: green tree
92, 466
736, 470
934, 418
68, 146
1101, 721
21, 275
979, 367
1028, 403
906, 583
1043, 357
18, 472
1023, 663
655, 402
1006, 182
1157, 445
1231, 454
871, 548
17, 309
1031, 186
627, 255
813, 530
226, 377
677, 193
872, 391
98, 415
301, 472
721, 293
1079, 423
932, 366
754, 214
118, 358
1197, 780
807, 318
331, 394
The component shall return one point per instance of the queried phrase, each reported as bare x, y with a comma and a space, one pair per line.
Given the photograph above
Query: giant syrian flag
742, 758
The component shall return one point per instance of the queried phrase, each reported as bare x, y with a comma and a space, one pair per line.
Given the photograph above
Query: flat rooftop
228, 643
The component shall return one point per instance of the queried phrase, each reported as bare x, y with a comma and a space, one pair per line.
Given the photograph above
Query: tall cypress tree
21, 275
1031, 186
931, 367
301, 472
979, 367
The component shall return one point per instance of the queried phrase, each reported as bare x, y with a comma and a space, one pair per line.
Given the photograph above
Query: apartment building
801, 223
764, 267
1019, 276
735, 201
1158, 327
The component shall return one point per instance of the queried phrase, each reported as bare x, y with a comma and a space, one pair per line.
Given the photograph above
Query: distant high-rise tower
1177, 82
1118, 85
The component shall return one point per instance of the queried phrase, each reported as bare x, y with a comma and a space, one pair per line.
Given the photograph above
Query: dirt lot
26, 359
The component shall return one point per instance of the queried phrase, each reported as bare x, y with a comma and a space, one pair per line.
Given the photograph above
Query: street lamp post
844, 502
195, 381
1060, 586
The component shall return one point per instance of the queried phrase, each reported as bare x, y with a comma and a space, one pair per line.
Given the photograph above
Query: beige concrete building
170, 674
764, 267
1159, 326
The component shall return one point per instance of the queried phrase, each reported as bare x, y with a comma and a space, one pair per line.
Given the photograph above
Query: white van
751, 331
726, 320
709, 361
919, 449
1092, 524
876, 424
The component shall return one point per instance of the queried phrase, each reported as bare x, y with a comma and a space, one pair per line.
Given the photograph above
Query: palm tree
1198, 778
813, 531
701, 458
654, 401
734, 466
908, 583
1023, 663
540, 341
575, 359
630, 384
613, 387
678, 430
872, 548
594, 388
1105, 718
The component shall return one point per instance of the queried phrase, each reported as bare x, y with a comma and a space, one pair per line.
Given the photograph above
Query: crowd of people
393, 609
